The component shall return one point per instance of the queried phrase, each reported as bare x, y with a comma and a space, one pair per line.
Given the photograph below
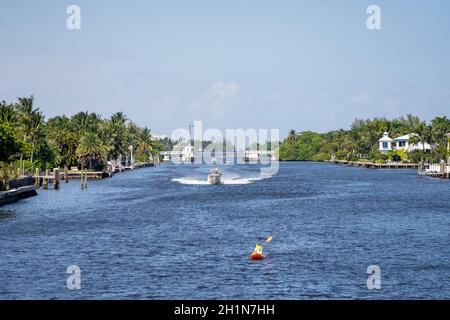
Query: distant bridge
187, 155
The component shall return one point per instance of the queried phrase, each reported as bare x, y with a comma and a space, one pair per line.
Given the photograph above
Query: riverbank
27, 186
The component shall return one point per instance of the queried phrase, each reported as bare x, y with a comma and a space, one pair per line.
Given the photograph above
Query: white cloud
361, 97
218, 99
224, 91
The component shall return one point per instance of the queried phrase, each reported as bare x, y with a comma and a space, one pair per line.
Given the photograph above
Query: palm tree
91, 149
26, 118
36, 124
60, 131
423, 132
145, 142
440, 126
292, 137
116, 131
7, 112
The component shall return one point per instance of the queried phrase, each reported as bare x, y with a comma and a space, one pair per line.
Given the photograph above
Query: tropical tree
440, 126
10, 144
91, 149
116, 132
292, 137
47, 155
7, 112
36, 130
25, 110
145, 142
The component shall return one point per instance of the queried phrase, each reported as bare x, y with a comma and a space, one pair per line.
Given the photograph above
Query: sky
303, 65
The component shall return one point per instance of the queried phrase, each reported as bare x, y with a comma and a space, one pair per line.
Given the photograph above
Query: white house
385, 143
401, 143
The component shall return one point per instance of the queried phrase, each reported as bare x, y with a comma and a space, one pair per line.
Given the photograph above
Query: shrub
321, 157
377, 155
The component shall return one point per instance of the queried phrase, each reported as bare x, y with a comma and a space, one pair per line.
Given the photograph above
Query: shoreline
27, 186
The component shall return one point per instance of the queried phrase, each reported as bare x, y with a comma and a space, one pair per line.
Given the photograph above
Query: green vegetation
360, 143
28, 141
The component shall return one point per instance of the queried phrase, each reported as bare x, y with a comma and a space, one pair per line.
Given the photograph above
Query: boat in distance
214, 176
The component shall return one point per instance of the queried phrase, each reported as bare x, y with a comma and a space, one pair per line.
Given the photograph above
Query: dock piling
66, 174
45, 181
56, 179
36, 178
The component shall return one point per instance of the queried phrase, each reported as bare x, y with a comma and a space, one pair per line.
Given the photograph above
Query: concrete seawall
19, 189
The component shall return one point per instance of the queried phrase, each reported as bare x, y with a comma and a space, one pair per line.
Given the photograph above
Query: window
385, 145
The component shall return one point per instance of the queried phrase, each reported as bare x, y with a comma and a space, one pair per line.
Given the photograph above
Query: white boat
214, 176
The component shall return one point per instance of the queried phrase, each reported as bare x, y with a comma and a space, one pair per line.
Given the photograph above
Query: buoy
256, 256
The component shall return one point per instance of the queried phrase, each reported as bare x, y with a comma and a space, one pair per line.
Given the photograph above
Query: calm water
160, 233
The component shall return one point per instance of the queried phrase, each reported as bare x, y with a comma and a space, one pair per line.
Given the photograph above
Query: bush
321, 157
400, 154
377, 155
141, 158
341, 155
8, 171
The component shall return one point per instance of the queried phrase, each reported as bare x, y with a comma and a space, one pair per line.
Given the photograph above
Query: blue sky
306, 65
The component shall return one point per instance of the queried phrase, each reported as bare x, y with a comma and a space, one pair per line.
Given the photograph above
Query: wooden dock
440, 170
43, 179
373, 165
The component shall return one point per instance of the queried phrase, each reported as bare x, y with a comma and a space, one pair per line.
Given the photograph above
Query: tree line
360, 142
85, 139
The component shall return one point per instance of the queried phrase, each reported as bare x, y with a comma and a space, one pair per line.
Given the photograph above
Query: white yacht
214, 176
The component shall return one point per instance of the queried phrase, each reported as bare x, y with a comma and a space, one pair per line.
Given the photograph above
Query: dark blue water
141, 235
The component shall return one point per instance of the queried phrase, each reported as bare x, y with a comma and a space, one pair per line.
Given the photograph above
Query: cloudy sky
300, 65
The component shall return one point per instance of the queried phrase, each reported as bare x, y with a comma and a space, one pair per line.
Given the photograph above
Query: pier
373, 165
440, 170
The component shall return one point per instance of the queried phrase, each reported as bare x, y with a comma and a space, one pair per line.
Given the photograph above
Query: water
160, 233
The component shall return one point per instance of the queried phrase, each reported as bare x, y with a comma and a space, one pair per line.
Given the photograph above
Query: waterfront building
402, 143
385, 143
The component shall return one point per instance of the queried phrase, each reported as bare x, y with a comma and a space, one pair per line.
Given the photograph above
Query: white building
401, 143
158, 136
385, 143
187, 154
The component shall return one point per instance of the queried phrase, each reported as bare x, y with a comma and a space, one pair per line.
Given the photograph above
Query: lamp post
131, 155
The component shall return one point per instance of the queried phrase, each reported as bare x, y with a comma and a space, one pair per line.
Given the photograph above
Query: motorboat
214, 176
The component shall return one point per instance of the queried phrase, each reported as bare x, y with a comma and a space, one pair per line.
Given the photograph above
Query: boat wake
231, 181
